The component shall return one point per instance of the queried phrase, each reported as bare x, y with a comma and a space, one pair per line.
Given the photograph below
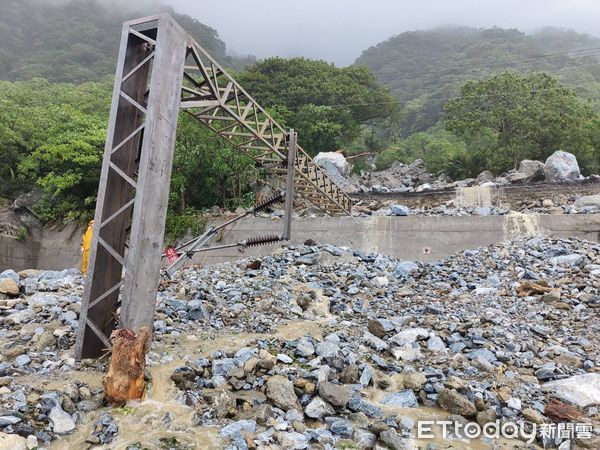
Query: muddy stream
144, 422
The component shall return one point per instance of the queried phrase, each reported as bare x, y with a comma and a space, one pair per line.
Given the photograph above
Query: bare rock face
561, 166
280, 391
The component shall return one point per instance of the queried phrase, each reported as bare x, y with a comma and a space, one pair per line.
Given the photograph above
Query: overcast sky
338, 30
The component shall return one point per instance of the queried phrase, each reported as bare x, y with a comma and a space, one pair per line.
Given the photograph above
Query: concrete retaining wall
50, 250
413, 238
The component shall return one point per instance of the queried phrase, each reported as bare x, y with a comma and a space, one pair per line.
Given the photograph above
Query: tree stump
125, 378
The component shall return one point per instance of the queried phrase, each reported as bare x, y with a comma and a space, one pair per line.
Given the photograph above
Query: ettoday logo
472, 430
507, 430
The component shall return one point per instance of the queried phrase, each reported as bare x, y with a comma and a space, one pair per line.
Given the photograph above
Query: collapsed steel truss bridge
160, 71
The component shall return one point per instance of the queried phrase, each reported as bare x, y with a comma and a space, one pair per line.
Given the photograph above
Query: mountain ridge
425, 68
77, 40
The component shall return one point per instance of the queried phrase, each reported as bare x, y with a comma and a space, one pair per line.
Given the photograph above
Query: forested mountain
425, 68
77, 40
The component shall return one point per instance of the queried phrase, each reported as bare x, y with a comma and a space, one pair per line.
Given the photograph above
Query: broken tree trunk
125, 378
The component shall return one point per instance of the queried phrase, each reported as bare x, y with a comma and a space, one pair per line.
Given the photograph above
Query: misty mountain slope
562, 40
77, 40
424, 68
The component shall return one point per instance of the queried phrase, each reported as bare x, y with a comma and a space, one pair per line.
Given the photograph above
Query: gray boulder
335, 158
402, 399
581, 390
399, 210
588, 201
318, 408
10, 274
484, 177
393, 441
532, 170
62, 422
281, 392
561, 166
334, 174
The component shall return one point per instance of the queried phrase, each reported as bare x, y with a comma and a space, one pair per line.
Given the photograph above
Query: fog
339, 30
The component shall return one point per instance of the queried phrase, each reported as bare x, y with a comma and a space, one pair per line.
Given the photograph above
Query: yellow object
86, 243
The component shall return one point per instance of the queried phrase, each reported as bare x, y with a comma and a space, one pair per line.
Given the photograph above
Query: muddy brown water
143, 421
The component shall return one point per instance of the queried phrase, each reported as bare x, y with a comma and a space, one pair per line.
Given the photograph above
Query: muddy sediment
318, 346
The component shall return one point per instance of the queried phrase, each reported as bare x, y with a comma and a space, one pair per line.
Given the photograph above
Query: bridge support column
134, 183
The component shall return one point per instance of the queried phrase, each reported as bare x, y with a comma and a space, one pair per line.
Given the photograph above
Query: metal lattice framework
216, 100
161, 70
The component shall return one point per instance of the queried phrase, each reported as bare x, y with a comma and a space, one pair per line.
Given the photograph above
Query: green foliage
206, 171
360, 165
390, 155
327, 105
497, 122
78, 40
525, 117
248, 200
425, 68
178, 225
36, 114
67, 166
442, 152
52, 138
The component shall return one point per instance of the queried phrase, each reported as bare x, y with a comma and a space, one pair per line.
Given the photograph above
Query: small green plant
22, 234
125, 410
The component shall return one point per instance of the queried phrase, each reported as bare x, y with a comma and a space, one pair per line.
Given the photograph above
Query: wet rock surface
372, 344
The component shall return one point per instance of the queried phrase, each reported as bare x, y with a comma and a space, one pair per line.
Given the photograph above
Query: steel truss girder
215, 99
160, 70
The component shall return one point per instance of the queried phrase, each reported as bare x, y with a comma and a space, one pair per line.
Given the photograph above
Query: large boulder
561, 166
580, 390
531, 170
484, 177
335, 175
335, 158
588, 201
